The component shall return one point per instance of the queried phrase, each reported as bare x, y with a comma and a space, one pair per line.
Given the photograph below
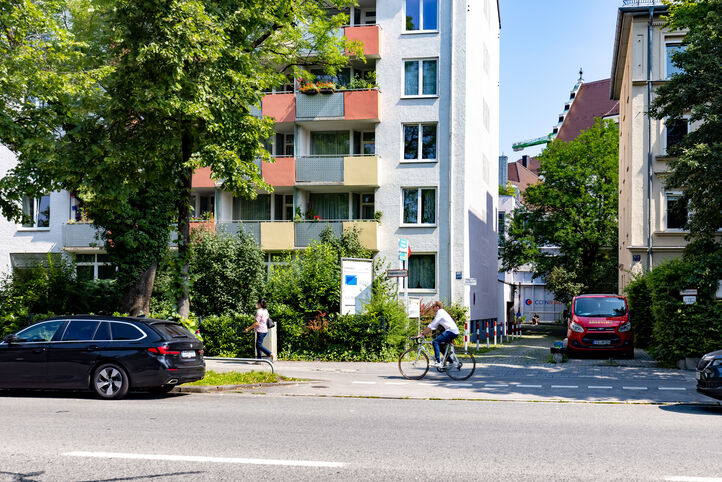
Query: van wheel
110, 381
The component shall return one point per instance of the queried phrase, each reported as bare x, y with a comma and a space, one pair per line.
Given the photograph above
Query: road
232, 436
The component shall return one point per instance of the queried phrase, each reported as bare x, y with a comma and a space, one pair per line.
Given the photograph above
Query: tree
567, 224
177, 82
696, 91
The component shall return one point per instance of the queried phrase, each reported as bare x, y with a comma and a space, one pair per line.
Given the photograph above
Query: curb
222, 388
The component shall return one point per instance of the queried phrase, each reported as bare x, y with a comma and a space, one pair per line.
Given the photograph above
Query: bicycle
414, 362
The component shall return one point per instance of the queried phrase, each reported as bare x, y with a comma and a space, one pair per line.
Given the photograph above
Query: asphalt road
231, 436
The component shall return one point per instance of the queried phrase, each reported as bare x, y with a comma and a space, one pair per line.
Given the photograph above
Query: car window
103, 332
600, 307
80, 330
40, 332
173, 330
125, 331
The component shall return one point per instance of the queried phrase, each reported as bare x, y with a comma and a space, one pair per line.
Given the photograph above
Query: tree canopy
566, 227
696, 92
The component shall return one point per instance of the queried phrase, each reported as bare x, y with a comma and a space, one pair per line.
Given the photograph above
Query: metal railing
641, 3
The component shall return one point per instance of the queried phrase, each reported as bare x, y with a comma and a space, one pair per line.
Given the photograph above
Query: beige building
651, 218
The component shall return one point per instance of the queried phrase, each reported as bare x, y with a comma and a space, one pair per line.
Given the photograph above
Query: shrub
639, 297
224, 336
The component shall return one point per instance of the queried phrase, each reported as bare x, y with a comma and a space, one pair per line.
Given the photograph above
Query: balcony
202, 178
270, 235
370, 35
81, 235
281, 107
343, 171
280, 173
344, 105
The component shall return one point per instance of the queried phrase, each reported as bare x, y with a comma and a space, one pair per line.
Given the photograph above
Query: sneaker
436, 364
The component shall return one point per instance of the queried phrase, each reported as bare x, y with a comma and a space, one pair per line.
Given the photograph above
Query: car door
23, 361
71, 359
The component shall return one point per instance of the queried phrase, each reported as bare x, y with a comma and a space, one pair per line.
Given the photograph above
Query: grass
214, 378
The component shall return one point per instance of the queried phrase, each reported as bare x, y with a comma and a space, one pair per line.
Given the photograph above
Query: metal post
494, 332
476, 323
487, 334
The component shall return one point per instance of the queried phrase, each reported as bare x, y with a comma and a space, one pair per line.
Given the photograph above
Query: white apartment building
420, 151
651, 218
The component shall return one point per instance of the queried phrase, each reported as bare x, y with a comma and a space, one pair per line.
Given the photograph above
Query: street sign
397, 273
413, 307
403, 244
403, 255
689, 292
689, 299
469, 281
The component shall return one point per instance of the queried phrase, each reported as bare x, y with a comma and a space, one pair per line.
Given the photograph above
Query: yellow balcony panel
368, 233
361, 171
276, 236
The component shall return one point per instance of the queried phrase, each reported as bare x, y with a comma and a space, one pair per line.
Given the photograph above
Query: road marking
672, 388
490, 385
565, 386
599, 386
395, 383
427, 383
459, 385
528, 386
365, 383
682, 478
195, 458
634, 388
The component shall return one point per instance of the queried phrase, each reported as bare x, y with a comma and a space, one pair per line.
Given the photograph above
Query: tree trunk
184, 237
136, 299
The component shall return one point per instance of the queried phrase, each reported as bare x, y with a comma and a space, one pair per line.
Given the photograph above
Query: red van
600, 323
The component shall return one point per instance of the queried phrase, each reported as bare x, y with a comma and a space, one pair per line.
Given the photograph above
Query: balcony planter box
327, 90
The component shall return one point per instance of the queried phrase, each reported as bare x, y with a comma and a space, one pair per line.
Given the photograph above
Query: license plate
601, 342
188, 354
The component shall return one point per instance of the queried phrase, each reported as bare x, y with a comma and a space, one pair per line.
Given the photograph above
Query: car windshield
599, 307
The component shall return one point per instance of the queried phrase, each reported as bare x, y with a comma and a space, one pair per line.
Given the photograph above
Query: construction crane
521, 145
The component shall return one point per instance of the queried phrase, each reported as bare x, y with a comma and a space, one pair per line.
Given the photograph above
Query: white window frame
420, 145
436, 273
419, 205
421, 19
419, 94
669, 41
664, 133
95, 263
667, 196
36, 213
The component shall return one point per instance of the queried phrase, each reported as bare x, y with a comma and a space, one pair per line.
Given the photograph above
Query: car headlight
624, 327
576, 327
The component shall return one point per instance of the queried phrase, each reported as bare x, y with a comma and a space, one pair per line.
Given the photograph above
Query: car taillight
163, 350
200, 352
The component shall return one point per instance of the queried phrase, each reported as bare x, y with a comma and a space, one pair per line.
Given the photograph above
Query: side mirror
10, 339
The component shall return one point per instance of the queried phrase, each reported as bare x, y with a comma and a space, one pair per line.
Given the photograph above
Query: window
202, 205
502, 225
364, 143
80, 330
258, 209
103, 332
93, 266
284, 145
676, 216
675, 132
40, 332
283, 207
363, 206
329, 206
125, 331
670, 49
36, 212
420, 147
422, 272
422, 15
333, 143
419, 206
420, 77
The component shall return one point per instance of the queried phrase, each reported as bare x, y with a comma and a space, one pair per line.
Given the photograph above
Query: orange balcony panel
280, 173
282, 107
361, 105
202, 178
370, 35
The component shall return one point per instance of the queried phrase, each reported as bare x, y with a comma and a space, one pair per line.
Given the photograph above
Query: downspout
649, 139
451, 156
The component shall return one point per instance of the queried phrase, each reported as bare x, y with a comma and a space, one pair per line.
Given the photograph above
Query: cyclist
450, 332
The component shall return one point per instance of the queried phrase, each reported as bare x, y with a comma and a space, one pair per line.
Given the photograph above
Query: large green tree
566, 227
177, 83
696, 92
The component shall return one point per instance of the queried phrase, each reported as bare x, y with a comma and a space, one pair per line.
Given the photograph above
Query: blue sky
543, 45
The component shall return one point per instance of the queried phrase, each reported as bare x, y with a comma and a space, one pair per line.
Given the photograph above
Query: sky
543, 45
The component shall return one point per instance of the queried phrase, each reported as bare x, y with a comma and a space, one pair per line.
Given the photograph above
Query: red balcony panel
207, 226
280, 173
361, 105
282, 107
370, 35
202, 178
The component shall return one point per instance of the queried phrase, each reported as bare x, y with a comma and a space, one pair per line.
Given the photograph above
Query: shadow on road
694, 409
80, 395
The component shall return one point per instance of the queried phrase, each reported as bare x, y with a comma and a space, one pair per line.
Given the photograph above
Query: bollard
476, 325
494, 332
466, 336
506, 331
487, 334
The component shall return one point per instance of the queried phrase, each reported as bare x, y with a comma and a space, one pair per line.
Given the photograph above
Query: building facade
414, 157
651, 218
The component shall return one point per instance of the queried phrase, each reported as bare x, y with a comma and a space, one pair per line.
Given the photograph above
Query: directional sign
403, 245
690, 292
397, 273
470, 281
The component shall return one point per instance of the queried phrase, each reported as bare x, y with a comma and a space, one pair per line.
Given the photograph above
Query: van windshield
602, 307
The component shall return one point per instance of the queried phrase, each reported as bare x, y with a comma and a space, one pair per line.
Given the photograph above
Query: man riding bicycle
451, 331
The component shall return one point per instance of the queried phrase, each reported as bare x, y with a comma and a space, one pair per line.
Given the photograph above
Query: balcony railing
343, 170
346, 104
641, 3
370, 35
81, 235
305, 232
251, 228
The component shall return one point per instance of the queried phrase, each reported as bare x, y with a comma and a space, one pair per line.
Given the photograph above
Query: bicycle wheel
413, 364
461, 366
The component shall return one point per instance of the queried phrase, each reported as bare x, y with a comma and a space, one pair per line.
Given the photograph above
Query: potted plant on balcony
308, 88
326, 87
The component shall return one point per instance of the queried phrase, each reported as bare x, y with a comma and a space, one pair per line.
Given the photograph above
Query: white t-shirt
444, 319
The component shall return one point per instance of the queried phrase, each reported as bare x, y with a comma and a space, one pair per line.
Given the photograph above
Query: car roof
599, 296
137, 319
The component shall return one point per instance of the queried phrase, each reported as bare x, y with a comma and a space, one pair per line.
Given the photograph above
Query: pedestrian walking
260, 326
535, 319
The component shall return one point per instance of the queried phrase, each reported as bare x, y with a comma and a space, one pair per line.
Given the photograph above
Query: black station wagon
109, 355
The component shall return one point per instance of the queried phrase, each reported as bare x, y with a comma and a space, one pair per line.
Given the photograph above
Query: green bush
224, 336
639, 297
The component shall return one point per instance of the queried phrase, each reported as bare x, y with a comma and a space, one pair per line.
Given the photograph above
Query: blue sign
351, 280
403, 245
458, 275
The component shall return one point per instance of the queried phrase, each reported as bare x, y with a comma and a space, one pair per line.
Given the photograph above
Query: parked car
600, 323
106, 354
709, 375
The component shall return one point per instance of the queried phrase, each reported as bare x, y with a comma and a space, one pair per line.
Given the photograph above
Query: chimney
525, 161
